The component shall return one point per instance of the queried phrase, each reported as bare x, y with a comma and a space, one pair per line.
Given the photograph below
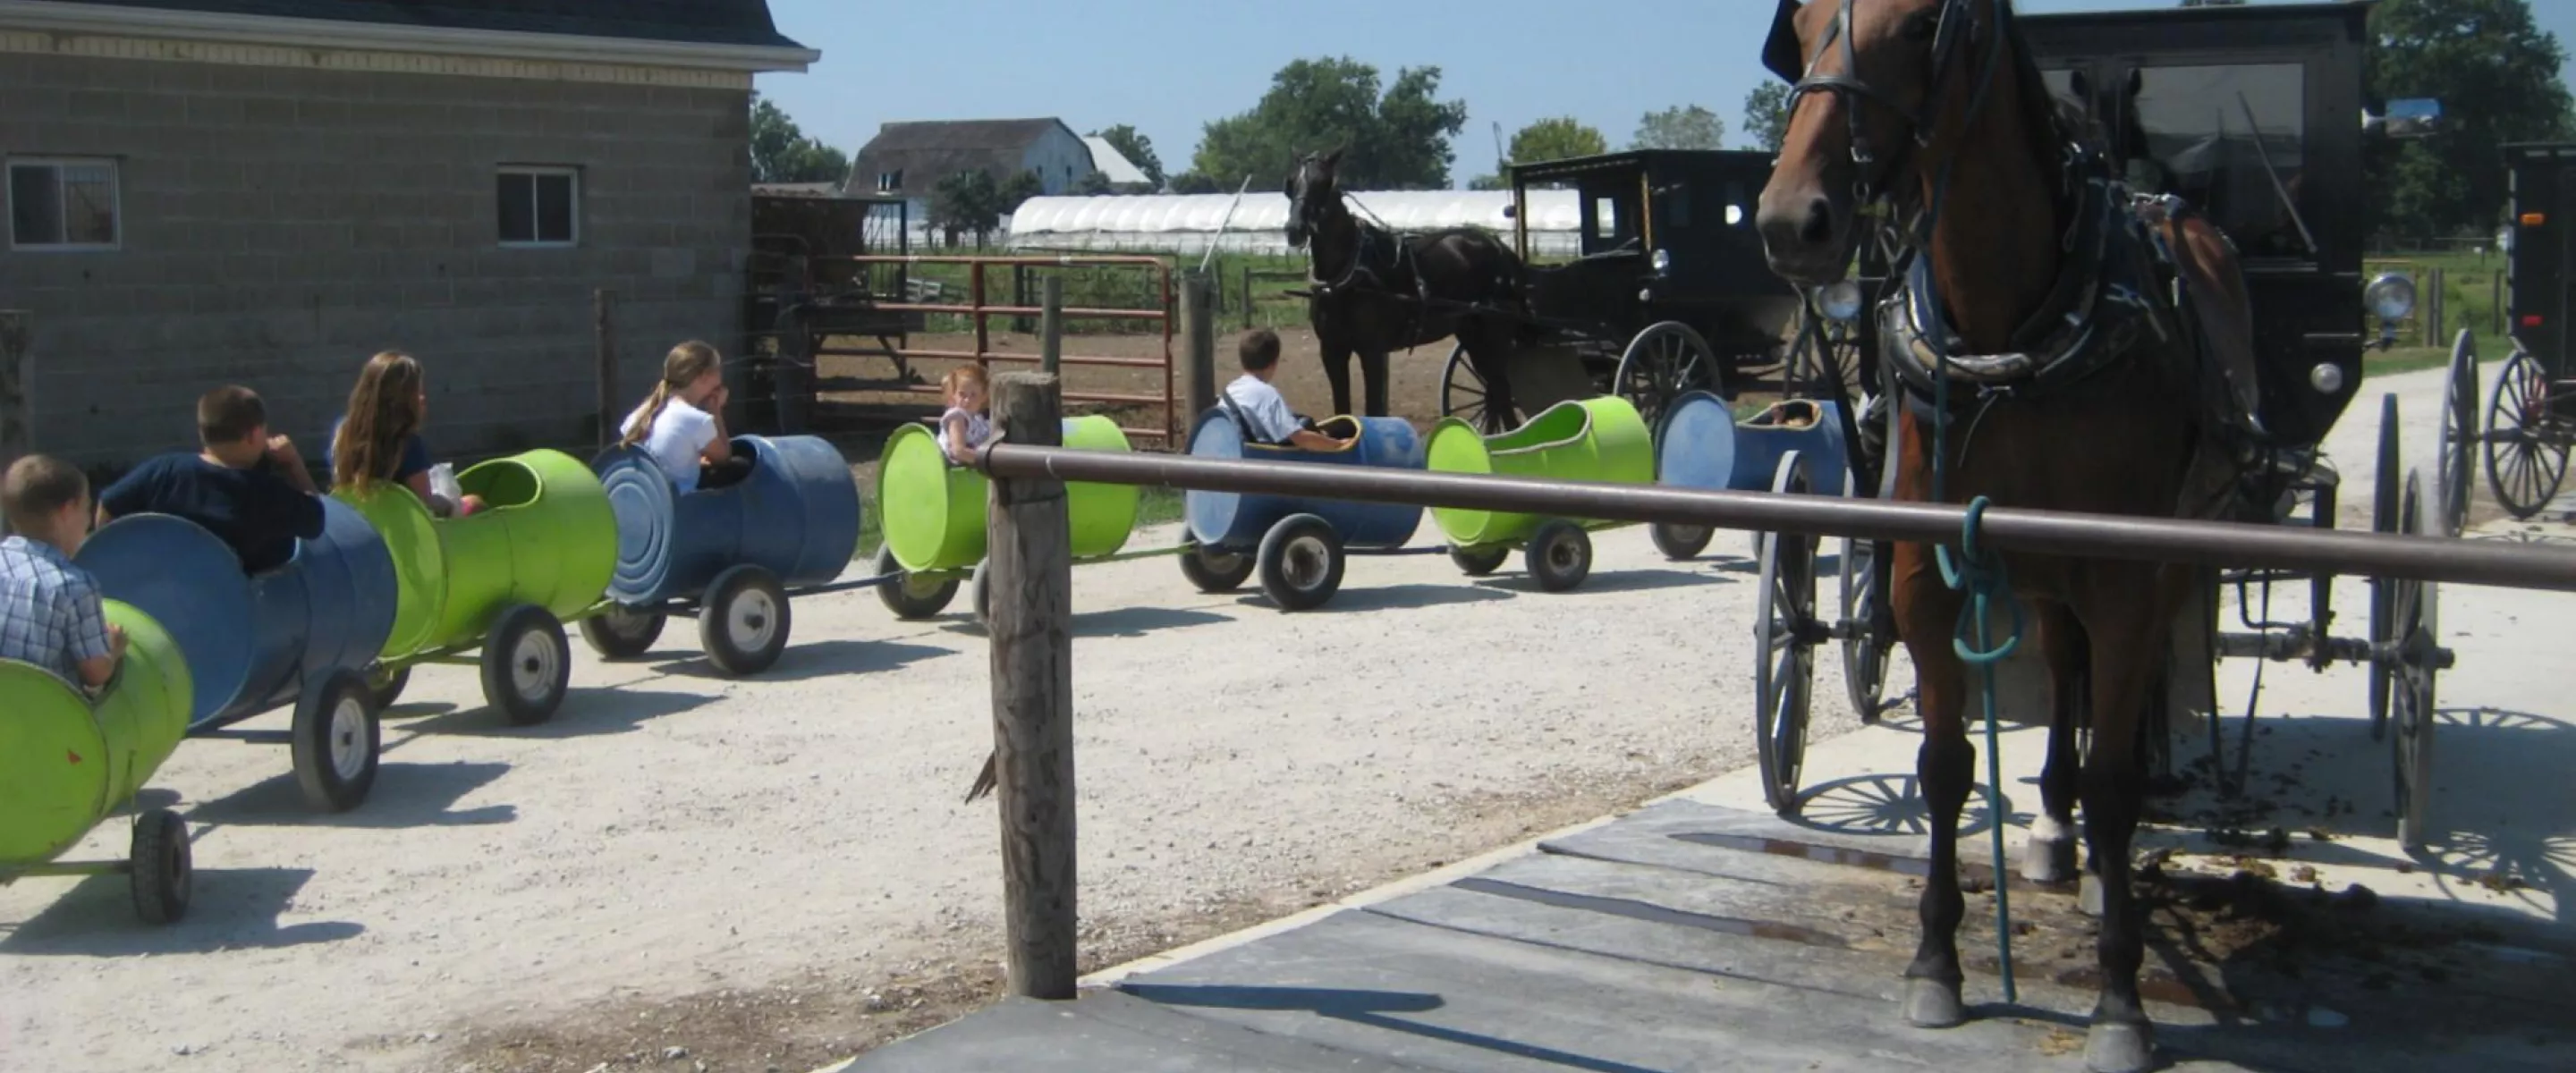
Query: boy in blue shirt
50, 613
245, 486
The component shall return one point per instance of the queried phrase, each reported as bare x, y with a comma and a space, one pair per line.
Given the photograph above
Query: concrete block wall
282, 225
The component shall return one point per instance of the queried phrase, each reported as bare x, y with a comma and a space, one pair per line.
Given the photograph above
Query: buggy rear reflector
2531, 320
2534, 219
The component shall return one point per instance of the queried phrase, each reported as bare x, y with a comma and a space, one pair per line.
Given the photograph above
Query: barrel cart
302, 635
1595, 439
66, 767
932, 514
729, 557
1299, 546
502, 581
1701, 444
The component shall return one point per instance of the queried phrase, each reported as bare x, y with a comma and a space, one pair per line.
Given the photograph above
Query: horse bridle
1958, 26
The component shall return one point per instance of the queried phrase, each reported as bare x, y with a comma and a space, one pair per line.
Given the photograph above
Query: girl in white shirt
681, 425
964, 427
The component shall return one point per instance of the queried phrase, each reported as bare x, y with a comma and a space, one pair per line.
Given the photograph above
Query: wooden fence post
2495, 300
17, 388
1198, 328
1247, 296
604, 334
2432, 302
1051, 324
1029, 576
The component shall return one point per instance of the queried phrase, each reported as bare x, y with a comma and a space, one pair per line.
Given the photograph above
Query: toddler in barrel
681, 425
50, 612
964, 426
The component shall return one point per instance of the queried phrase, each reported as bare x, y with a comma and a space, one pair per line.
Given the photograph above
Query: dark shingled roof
705, 22
930, 151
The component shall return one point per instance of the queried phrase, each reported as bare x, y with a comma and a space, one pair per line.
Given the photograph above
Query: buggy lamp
1661, 262
1839, 300
2327, 378
2391, 296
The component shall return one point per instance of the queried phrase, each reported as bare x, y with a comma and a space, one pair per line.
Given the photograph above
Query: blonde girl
377, 440
964, 427
681, 425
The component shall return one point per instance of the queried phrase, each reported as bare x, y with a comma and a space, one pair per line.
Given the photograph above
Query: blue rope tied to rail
1979, 572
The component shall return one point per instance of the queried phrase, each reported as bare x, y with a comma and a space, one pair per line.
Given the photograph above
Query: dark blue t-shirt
256, 511
413, 460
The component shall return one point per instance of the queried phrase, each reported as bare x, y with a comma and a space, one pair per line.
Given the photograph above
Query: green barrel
65, 766
932, 510
546, 536
1595, 439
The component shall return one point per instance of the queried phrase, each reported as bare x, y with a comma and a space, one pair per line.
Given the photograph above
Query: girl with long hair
681, 425
378, 439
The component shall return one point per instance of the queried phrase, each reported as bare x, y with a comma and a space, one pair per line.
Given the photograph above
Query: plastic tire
336, 741
1680, 543
908, 598
388, 688
1478, 562
1215, 570
2415, 627
619, 633
2526, 444
2459, 461
2385, 491
745, 620
1559, 555
1785, 634
526, 665
1301, 562
982, 593
164, 873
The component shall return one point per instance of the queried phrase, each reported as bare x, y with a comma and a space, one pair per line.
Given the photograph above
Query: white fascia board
51, 16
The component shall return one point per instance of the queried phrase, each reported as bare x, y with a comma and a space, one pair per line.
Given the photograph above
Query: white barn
1190, 223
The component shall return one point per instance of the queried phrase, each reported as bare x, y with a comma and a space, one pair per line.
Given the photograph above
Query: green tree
1766, 116
1016, 189
1095, 184
2496, 74
966, 202
780, 153
1192, 182
1398, 139
1138, 149
1558, 138
1490, 182
1681, 127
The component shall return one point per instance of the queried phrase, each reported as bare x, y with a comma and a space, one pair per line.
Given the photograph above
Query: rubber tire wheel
1215, 571
2458, 467
317, 729
500, 654
1301, 534
612, 641
1680, 543
1478, 562
715, 620
903, 598
983, 595
390, 691
2415, 614
1559, 555
2525, 444
1784, 657
2383, 592
164, 873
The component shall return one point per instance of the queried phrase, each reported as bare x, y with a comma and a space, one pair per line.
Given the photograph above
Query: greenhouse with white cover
1257, 223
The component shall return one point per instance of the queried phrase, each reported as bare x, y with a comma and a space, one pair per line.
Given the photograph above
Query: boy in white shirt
1264, 410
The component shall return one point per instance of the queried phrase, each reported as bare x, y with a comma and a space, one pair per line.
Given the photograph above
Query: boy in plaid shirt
49, 609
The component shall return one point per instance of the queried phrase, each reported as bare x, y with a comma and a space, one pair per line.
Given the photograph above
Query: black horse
1374, 292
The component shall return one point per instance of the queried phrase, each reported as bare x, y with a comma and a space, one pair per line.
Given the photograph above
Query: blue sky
1169, 67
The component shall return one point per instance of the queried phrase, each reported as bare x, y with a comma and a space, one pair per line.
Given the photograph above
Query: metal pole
1247, 296
603, 335
1051, 324
1029, 579
2044, 532
17, 388
1198, 323
1224, 222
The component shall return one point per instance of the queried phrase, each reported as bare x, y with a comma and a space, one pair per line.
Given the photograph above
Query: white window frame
115, 194
534, 172
889, 181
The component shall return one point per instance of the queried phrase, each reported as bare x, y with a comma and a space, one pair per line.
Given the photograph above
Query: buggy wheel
2526, 444
526, 665
2459, 429
164, 872
1301, 562
1662, 362
745, 622
1462, 395
1866, 641
336, 742
622, 632
1784, 660
1215, 569
910, 597
1559, 555
1478, 562
1679, 542
2414, 627
2383, 519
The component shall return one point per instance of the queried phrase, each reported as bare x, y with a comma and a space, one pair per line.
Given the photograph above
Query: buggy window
2228, 138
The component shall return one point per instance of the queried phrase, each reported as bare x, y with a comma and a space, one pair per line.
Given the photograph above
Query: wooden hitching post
1029, 581
1198, 326
1051, 324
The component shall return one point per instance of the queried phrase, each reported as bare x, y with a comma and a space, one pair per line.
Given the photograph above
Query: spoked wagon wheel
1663, 361
1870, 632
2459, 429
1462, 396
2406, 653
2526, 443
2383, 519
1785, 634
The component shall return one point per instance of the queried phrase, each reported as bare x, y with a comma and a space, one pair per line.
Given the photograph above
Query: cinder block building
268, 191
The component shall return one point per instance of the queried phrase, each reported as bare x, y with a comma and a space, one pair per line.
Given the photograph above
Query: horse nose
1818, 228
1801, 224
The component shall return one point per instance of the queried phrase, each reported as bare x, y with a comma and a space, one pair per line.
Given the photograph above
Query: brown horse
2039, 362
1375, 292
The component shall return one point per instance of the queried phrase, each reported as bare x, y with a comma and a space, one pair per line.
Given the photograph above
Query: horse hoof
2088, 895
2118, 1048
2050, 860
1933, 1004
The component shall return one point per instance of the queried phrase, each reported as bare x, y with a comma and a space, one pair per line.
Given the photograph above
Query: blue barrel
796, 514
1231, 520
252, 642
1702, 445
